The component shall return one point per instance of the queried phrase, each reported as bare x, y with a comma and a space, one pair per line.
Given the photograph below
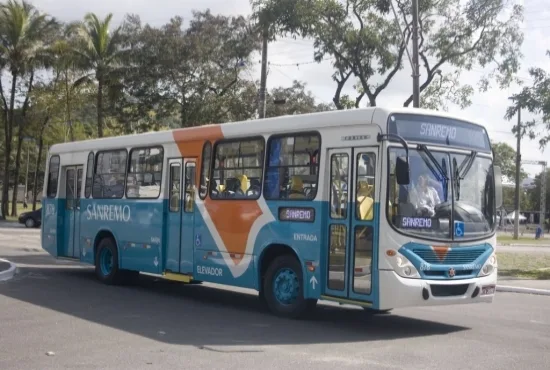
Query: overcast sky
488, 108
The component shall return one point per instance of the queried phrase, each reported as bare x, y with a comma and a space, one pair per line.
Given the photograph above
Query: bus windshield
445, 189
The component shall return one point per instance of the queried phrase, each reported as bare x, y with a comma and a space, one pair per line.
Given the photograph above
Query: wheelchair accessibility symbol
459, 228
198, 240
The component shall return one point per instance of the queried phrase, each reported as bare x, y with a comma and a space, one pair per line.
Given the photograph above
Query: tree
364, 40
536, 99
292, 100
99, 50
187, 72
505, 158
24, 32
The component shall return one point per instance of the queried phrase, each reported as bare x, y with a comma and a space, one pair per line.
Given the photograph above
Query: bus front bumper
396, 292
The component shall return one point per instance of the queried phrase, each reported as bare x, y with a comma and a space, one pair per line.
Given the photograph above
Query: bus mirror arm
402, 167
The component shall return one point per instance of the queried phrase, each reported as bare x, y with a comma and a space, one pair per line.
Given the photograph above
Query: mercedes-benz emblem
451, 272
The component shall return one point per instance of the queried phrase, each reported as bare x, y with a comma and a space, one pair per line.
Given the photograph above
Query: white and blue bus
381, 208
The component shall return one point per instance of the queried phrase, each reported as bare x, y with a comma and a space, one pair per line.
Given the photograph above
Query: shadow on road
196, 315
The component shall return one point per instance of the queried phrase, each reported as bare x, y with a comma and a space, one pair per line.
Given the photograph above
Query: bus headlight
404, 268
490, 266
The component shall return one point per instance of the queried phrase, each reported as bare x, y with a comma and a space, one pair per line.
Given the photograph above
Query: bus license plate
487, 290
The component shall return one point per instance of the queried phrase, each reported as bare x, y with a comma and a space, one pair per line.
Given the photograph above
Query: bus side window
292, 167
144, 174
238, 167
53, 177
205, 169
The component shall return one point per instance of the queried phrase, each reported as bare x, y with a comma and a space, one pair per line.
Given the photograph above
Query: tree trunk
38, 160
100, 107
16, 174
20, 136
68, 106
7, 153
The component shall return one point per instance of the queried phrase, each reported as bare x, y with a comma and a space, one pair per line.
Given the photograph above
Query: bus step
343, 301
177, 277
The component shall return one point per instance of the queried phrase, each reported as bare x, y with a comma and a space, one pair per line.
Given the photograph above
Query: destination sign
439, 130
297, 214
418, 223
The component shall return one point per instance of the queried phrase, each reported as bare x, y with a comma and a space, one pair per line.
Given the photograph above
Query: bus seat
243, 182
365, 201
296, 188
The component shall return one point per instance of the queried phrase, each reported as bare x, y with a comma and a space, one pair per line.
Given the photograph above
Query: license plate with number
488, 290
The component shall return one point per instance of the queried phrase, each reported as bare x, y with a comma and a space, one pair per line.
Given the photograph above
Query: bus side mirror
498, 186
402, 171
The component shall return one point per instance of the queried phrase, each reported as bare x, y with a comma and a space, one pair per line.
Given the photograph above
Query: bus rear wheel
106, 263
283, 288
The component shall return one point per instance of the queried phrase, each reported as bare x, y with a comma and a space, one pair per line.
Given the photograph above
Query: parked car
31, 219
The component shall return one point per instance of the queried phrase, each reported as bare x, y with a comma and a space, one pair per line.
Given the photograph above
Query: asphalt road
59, 308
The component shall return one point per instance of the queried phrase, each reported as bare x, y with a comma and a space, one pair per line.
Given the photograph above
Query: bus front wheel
283, 291
106, 262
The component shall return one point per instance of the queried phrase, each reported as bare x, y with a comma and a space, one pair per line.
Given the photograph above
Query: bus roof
274, 125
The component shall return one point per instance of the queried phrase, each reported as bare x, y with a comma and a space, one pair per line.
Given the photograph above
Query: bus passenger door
363, 230
173, 244
188, 217
71, 234
77, 213
352, 248
338, 250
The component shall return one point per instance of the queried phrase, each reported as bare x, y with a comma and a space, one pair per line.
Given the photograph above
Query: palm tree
98, 50
23, 34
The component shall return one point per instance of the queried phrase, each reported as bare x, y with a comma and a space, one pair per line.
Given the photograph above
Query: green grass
524, 265
509, 239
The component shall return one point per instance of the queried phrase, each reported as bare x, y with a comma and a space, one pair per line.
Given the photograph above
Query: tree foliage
365, 41
505, 158
535, 99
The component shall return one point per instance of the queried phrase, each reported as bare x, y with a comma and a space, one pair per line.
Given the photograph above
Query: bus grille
453, 256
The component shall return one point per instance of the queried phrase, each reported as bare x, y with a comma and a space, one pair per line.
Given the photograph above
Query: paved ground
525, 283
4, 266
57, 307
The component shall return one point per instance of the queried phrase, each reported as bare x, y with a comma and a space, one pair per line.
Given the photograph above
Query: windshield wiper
466, 165
462, 170
431, 162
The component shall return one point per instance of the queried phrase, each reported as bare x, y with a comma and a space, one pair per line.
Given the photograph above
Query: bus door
180, 245
73, 188
352, 251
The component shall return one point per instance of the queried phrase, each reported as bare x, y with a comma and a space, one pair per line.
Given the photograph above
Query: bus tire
106, 262
283, 288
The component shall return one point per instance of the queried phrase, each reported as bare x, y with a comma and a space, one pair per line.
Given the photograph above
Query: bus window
110, 173
53, 176
205, 169
89, 175
144, 176
237, 169
292, 167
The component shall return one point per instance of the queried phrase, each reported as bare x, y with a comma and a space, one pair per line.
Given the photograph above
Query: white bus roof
274, 125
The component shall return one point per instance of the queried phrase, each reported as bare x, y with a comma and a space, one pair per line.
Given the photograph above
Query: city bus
379, 208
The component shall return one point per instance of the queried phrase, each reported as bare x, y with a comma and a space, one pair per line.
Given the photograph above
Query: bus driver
425, 196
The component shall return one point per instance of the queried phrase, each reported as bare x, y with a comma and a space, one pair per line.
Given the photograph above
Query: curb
9, 273
515, 289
